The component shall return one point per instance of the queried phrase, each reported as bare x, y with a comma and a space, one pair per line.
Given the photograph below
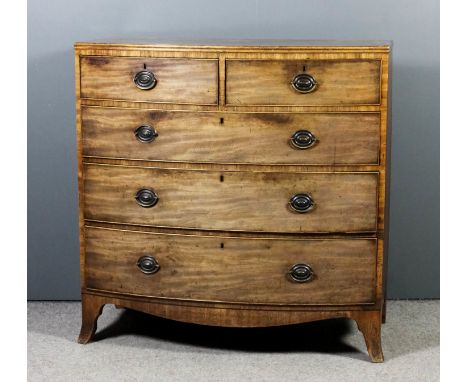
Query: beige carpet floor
132, 346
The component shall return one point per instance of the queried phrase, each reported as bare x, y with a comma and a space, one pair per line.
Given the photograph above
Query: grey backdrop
54, 25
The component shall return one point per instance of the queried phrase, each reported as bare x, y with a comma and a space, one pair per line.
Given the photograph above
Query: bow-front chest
234, 183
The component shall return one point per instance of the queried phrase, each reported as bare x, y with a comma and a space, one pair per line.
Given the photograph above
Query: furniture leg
91, 309
369, 323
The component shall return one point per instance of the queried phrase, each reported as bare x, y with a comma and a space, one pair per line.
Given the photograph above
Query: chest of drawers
234, 184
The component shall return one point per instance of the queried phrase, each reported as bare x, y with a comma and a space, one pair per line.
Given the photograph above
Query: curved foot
369, 323
91, 309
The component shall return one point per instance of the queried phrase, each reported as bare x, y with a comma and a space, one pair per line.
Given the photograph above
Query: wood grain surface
224, 172
221, 45
231, 269
216, 137
189, 81
268, 82
245, 201
224, 314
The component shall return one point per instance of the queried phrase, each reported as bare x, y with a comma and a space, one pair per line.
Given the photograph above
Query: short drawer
256, 138
184, 81
330, 82
234, 200
239, 270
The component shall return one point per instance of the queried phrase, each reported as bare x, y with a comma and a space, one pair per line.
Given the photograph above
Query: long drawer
260, 138
234, 200
191, 81
241, 270
318, 82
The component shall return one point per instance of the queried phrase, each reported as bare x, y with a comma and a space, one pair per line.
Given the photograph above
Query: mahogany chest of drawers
234, 184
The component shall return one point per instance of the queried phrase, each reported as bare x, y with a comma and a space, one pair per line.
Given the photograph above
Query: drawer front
231, 269
258, 138
246, 201
338, 82
185, 81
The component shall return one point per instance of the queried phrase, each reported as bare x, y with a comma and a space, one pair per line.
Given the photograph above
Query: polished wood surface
221, 234
231, 269
254, 167
243, 201
350, 116
220, 45
93, 301
91, 310
369, 323
255, 138
178, 80
268, 82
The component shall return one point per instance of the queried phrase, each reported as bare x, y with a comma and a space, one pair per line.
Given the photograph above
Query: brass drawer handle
145, 80
301, 273
146, 198
146, 133
301, 203
304, 83
148, 265
303, 139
